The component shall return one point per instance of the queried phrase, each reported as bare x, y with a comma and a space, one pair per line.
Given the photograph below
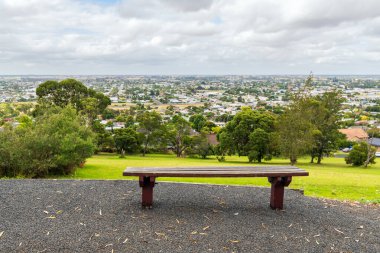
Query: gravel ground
105, 216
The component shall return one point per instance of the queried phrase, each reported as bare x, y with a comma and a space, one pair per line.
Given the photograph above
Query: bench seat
278, 176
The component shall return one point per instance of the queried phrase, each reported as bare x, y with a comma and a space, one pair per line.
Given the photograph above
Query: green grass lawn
332, 179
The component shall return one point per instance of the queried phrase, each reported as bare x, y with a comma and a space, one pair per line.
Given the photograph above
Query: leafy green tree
224, 118
25, 121
89, 108
71, 91
9, 153
25, 108
225, 146
295, 129
129, 121
104, 139
259, 142
197, 121
209, 127
325, 118
55, 144
68, 91
360, 153
295, 133
7, 111
238, 130
127, 140
200, 146
151, 127
109, 114
178, 134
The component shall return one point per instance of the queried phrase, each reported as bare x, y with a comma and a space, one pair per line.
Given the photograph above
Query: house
115, 125
354, 134
375, 142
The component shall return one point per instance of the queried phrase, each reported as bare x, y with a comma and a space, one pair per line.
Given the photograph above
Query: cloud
189, 37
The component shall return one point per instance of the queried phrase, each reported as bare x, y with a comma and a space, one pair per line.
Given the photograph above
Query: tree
325, 118
104, 139
371, 151
259, 143
209, 126
151, 128
71, 91
197, 121
127, 140
25, 121
55, 144
360, 153
295, 129
178, 134
200, 146
238, 130
68, 91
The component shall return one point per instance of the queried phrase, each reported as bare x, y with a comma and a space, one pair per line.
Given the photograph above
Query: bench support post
147, 184
277, 191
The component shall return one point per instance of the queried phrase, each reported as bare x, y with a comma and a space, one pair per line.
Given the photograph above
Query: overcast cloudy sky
189, 37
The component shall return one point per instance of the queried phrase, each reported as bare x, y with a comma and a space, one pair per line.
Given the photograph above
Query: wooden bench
278, 176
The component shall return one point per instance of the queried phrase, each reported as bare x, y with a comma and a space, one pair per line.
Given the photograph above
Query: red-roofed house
355, 134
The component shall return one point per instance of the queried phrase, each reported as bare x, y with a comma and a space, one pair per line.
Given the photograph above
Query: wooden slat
214, 168
234, 171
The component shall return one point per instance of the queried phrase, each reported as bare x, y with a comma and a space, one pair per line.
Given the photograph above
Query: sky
203, 37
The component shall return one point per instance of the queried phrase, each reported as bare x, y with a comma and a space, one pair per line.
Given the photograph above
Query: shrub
221, 158
359, 154
55, 144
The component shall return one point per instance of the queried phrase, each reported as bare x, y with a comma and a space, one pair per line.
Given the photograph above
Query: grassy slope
332, 179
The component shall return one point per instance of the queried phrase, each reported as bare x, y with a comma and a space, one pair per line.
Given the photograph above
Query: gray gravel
105, 216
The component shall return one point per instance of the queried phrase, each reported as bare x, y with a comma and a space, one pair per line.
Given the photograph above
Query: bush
55, 144
221, 158
359, 153
253, 156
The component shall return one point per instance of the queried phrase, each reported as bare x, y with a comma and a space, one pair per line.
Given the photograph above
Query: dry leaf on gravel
337, 230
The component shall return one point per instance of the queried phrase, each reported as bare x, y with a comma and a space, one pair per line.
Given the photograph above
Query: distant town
213, 95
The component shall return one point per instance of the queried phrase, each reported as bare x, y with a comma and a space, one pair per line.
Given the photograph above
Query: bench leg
277, 191
147, 184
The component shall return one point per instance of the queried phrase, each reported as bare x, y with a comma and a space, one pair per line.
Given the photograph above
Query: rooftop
354, 134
